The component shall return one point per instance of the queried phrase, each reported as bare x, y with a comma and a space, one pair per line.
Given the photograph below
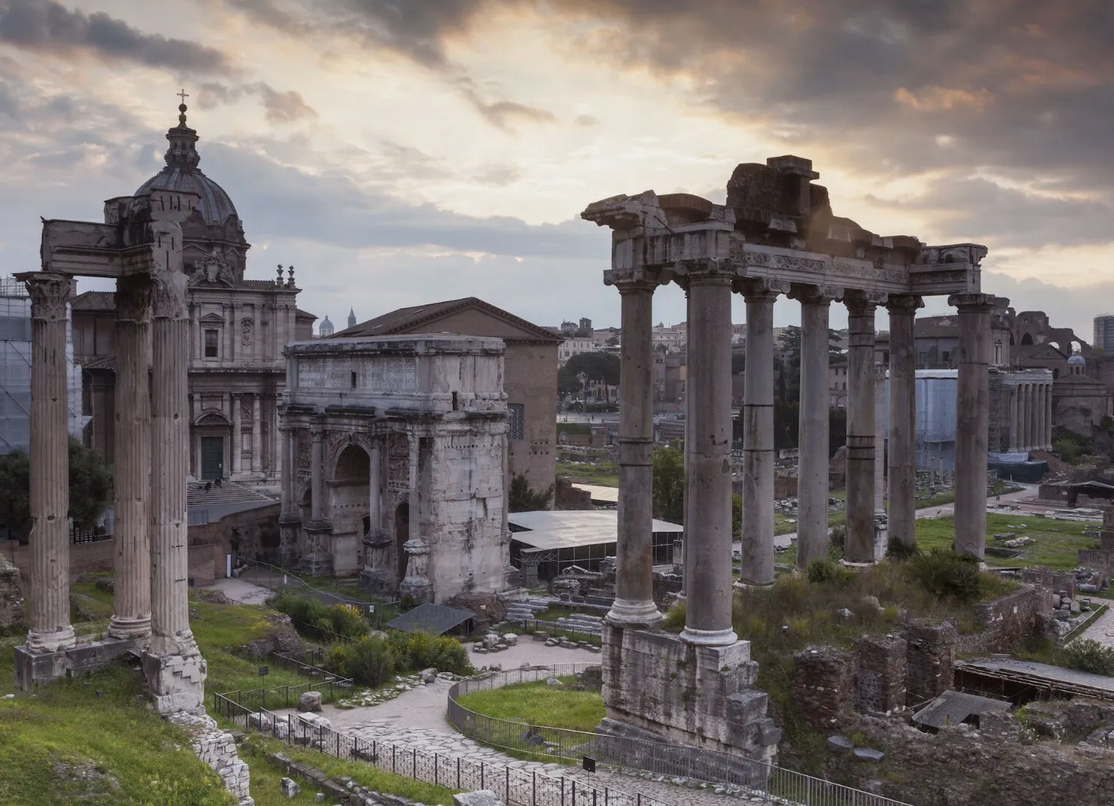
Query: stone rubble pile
341, 790
401, 684
217, 748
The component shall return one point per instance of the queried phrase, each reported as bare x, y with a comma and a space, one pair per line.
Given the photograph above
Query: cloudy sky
407, 151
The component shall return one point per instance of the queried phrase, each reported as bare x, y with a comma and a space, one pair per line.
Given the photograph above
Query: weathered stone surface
822, 685
481, 797
929, 660
840, 744
217, 748
11, 594
880, 673
310, 701
289, 788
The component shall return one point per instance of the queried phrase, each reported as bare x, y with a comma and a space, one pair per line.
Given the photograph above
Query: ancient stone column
375, 489
50, 467
860, 428
972, 421
634, 583
708, 485
689, 447
903, 419
173, 665
256, 434
758, 435
813, 433
1042, 425
881, 520
1023, 424
237, 433
1048, 416
132, 594
1013, 418
289, 521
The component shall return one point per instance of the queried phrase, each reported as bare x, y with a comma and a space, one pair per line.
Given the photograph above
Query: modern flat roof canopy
547, 530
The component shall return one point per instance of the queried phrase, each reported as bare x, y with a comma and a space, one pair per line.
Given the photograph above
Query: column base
881, 534
742, 584
177, 681
856, 566
43, 641
420, 590
629, 613
33, 669
724, 637
129, 628
375, 581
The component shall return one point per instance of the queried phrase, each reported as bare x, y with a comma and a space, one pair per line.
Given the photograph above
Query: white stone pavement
416, 720
1102, 628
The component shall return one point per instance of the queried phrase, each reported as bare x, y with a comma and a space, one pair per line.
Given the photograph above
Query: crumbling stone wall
1008, 621
823, 685
11, 594
880, 673
566, 496
997, 763
929, 660
217, 748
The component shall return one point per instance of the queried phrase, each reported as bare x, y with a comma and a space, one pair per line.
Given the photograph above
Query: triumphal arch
776, 235
140, 246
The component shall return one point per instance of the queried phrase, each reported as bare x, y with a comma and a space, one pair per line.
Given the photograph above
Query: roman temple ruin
775, 235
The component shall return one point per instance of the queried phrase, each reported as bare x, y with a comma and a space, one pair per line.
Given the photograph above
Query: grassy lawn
604, 473
65, 745
265, 777
540, 704
1056, 546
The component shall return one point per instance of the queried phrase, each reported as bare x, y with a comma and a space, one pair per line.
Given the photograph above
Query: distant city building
351, 317
15, 371
574, 345
325, 328
1104, 333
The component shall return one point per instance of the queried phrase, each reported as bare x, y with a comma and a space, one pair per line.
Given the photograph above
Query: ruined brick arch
1027, 339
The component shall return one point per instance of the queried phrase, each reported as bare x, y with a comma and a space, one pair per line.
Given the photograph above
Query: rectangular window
516, 421
212, 343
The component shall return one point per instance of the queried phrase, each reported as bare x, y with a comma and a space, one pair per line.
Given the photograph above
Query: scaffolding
15, 370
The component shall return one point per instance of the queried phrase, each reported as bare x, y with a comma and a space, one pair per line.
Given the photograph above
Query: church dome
326, 327
181, 174
1077, 359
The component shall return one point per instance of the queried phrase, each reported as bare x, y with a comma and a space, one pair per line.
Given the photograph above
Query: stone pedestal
634, 595
49, 591
972, 421
417, 584
33, 669
683, 693
132, 593
317, 558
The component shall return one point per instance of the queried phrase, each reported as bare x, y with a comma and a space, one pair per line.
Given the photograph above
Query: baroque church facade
238, 329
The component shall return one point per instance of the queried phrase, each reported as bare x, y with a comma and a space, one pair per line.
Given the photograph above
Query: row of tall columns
707, 546
1030, 417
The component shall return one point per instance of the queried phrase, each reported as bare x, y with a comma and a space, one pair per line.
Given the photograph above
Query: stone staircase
227, 494
527, 609
579, 622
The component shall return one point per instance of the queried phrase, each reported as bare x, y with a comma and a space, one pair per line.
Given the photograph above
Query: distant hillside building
1104, 333
530, 379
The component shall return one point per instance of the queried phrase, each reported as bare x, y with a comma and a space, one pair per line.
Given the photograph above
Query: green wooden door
212, 458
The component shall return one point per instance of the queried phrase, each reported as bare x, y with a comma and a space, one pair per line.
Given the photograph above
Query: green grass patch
1056, 545
604, 473
265, 776
579, 429
65, 745
540, 704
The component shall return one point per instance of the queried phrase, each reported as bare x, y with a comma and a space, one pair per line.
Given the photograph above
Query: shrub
944, 573
675, 618
1068, 450
420, 650
346, 620
897, 550
336, 660
820, 571
316, 620
1088, 655
371, 662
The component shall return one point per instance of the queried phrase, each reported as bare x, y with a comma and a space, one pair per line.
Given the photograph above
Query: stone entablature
395, 457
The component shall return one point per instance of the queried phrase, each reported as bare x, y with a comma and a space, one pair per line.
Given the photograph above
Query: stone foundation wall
1051, 580
880, 673
11, 594
1008, 621
565, 496
929, 660
823, 685
694, 695
217, 749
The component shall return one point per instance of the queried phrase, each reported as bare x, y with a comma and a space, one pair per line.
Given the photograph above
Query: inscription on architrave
395, 373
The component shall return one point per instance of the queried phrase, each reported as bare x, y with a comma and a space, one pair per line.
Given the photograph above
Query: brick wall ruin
880, 673
11, 594
929, 660
823, 685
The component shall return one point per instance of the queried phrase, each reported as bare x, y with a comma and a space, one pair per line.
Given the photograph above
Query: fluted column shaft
256, 434
687, 500
237, 432
972, 421
903, 419
1048, 416
758, 438
813, 433
860, 429
1026, 405
169, 465
634, 583
132, 592
1042, 417
709, 589
375, 488
50, 628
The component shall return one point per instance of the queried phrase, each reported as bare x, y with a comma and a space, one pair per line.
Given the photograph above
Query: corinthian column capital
168, 295
49, 293
133, 298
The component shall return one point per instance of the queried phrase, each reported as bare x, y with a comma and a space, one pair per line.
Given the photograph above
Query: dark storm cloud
49, 27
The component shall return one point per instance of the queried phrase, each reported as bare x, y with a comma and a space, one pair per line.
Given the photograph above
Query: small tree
90, 489
669, 484
523, 499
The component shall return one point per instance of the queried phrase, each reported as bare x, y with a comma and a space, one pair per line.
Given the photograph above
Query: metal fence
516, 787
331, 687
556, 630
278, 579
634, 755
